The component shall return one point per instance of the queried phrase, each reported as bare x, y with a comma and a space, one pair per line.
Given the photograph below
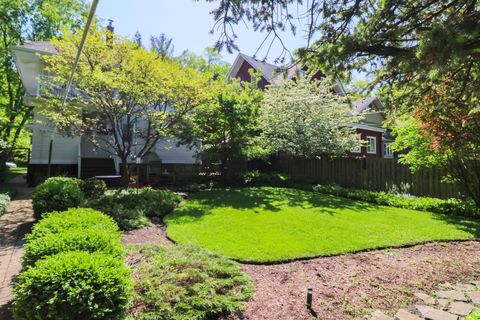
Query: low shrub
448, 206
73, 285
90, 239
257, 178
126, 217
475, 315
93, 188
181, 283
72, 219
129, 208
57, 194
4, 200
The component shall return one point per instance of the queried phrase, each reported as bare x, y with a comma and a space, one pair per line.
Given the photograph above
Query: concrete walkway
13, 226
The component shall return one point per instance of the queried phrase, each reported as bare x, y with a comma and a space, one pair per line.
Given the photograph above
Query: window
371, 144
387, 150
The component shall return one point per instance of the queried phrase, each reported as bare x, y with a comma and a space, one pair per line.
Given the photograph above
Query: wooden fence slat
369, 173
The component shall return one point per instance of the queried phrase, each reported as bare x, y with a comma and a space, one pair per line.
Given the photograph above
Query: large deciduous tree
226, 126
20, 21
423, 55
304, 117
125, 99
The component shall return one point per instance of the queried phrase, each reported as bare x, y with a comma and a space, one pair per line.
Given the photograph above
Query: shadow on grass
273, 199
469, 225
259, 199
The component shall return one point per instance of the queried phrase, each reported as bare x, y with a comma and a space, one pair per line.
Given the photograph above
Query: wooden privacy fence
366, 173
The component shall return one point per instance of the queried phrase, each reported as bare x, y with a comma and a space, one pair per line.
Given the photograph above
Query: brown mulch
348, 286
351, 286
155, 233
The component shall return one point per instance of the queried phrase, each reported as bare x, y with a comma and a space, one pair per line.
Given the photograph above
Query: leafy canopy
125, 98
302, 117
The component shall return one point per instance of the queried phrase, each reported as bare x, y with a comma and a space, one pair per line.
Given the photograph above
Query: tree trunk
125, 172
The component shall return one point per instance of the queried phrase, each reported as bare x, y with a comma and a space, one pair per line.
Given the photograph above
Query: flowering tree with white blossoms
305, 117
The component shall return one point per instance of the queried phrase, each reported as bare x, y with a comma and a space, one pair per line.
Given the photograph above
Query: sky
188, 22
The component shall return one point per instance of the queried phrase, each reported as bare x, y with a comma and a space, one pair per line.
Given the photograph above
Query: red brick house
370, 127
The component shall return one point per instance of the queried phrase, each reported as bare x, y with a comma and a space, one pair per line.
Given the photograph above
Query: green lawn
274, 224
14, 172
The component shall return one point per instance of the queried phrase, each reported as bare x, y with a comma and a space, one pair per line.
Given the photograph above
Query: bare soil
348, 286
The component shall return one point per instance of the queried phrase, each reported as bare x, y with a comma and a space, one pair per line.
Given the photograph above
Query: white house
56, 154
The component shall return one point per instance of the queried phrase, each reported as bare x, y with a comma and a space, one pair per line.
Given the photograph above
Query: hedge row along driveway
268, 224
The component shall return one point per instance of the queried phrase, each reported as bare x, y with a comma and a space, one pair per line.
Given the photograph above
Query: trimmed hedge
57, 194
72, 219
449, 206
79, 239
73, 285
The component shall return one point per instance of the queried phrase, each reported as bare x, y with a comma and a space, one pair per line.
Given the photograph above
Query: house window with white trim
387, 150
371, 144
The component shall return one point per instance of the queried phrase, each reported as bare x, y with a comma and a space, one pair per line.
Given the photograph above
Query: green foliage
57, 194
257, 178
22, 21
450, 206
305, 117
4, 201
408, 136
92, 239
187, 283
72, 219
226, 126
73, 285
131, 207
265, 224
475, 315
422, 56
93, 188
210, 62
120, 80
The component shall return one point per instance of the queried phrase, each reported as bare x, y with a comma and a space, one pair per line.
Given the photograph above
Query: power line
91, 15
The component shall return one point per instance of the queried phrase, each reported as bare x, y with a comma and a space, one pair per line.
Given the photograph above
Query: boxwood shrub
73, 285
448, 206
72, 219
57, 194
75, 239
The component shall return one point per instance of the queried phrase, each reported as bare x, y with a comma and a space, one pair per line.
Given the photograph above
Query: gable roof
366, 103
268, 70
37, 46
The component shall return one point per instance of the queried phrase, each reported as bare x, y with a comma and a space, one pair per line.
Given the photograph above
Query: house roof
268, 70
366, 103
39, 46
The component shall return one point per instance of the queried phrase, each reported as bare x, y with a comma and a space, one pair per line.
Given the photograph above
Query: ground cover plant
185, 283
448, 206
266, 224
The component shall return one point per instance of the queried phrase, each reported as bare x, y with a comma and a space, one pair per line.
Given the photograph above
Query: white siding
168, 152
64, 149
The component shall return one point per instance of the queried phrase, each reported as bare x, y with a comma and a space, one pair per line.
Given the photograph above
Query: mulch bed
347, 286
